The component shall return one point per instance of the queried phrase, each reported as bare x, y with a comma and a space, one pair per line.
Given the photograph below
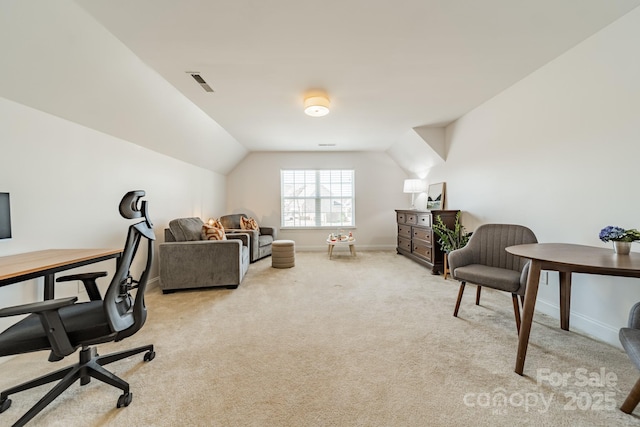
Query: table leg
565, 299
352, 249
49, 286
330, 251
528, 308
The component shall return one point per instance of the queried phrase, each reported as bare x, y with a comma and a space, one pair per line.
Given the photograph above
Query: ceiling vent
197, 77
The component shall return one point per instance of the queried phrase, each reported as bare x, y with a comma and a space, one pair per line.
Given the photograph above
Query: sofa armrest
244, 237
200, 263
270, 231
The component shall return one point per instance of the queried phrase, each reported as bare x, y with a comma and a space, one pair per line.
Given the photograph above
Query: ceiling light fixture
316, 106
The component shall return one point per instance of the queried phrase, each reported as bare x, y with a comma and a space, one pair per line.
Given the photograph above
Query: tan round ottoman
283, 253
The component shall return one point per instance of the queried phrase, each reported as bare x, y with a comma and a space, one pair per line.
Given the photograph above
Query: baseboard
153, 283
581, 323
316, 248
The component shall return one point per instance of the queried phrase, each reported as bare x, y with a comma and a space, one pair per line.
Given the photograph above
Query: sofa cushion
186, 229
248, 224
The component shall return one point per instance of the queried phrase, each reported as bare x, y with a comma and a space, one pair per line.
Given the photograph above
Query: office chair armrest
89, 282
37, 307
47, 311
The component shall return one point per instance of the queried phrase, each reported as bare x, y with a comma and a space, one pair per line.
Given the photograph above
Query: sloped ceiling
394, 71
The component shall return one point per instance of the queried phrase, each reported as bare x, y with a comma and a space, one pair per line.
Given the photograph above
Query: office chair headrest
129, 206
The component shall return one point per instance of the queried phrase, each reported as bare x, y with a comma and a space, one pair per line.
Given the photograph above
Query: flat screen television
5, 216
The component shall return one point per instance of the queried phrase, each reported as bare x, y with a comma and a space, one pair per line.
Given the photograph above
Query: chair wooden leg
516, 311
460, 292
478, 290
632, 399
445, 273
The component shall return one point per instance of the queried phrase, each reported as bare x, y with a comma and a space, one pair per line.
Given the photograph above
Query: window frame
317, 197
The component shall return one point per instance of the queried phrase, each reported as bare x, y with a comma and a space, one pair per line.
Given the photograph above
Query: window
317, 198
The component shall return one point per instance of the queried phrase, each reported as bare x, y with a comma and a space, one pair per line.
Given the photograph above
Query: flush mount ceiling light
316, 106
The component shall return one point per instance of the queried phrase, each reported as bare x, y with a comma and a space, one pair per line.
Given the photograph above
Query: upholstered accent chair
630, 339
485, 262
261, 239
188, 262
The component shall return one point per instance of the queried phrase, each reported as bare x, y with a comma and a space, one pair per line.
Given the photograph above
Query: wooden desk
46, 263
566, 259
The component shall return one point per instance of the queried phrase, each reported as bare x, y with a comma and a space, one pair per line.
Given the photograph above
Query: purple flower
618, 234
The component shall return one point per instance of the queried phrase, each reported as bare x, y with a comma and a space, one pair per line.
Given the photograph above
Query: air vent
326, 145
197, 77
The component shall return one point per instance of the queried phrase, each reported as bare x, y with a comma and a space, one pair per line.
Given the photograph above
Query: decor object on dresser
620, 237
189, 260
414, 186
260, 239
416, 238
450, 239
284, 254
435, 196
63, 325
630, 339
484, 262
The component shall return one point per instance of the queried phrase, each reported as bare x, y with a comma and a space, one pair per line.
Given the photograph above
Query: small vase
622, 248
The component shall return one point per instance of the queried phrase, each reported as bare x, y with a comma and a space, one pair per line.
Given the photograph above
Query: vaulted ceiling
387, 67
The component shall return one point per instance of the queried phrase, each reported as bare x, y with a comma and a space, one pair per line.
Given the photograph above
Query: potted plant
620, 237
450, 239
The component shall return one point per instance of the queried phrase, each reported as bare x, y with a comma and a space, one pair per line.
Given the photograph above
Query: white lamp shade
316, 106
414, 186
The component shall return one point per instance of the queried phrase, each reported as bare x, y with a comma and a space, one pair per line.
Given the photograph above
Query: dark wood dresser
416, 238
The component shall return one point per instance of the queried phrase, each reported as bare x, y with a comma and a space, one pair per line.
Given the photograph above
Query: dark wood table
566, 259
46, 263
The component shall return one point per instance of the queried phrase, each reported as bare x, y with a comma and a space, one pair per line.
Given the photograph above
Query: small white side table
332, 243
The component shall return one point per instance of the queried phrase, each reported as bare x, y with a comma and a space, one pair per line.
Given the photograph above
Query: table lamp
414, 186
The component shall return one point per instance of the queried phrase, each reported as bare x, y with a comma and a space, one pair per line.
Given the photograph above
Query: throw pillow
211, 232
248, 224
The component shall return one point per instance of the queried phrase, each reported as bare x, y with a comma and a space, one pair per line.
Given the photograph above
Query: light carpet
353, 341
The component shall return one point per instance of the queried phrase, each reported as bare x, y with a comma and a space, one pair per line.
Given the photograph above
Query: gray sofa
260, 240
187, 262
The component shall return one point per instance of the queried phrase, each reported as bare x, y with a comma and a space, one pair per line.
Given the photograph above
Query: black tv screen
5, 216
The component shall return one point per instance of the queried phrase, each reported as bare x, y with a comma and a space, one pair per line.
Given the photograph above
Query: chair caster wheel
125, 400
4, 404
149, 356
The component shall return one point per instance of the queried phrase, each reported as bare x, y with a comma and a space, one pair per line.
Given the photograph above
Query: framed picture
435, 197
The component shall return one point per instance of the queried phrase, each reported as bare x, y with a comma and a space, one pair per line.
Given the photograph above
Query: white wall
558, 152
253, 187
57, 58
66, 181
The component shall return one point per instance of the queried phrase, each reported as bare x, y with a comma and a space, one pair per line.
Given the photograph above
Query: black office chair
64, 325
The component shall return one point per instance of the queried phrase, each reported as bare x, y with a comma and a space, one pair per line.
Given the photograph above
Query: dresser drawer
400, 218
423, 251
404, 244
423, 220
410, 218
423, 234
404, 231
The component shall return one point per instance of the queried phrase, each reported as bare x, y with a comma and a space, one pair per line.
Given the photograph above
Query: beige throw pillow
213, 232
248, 224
